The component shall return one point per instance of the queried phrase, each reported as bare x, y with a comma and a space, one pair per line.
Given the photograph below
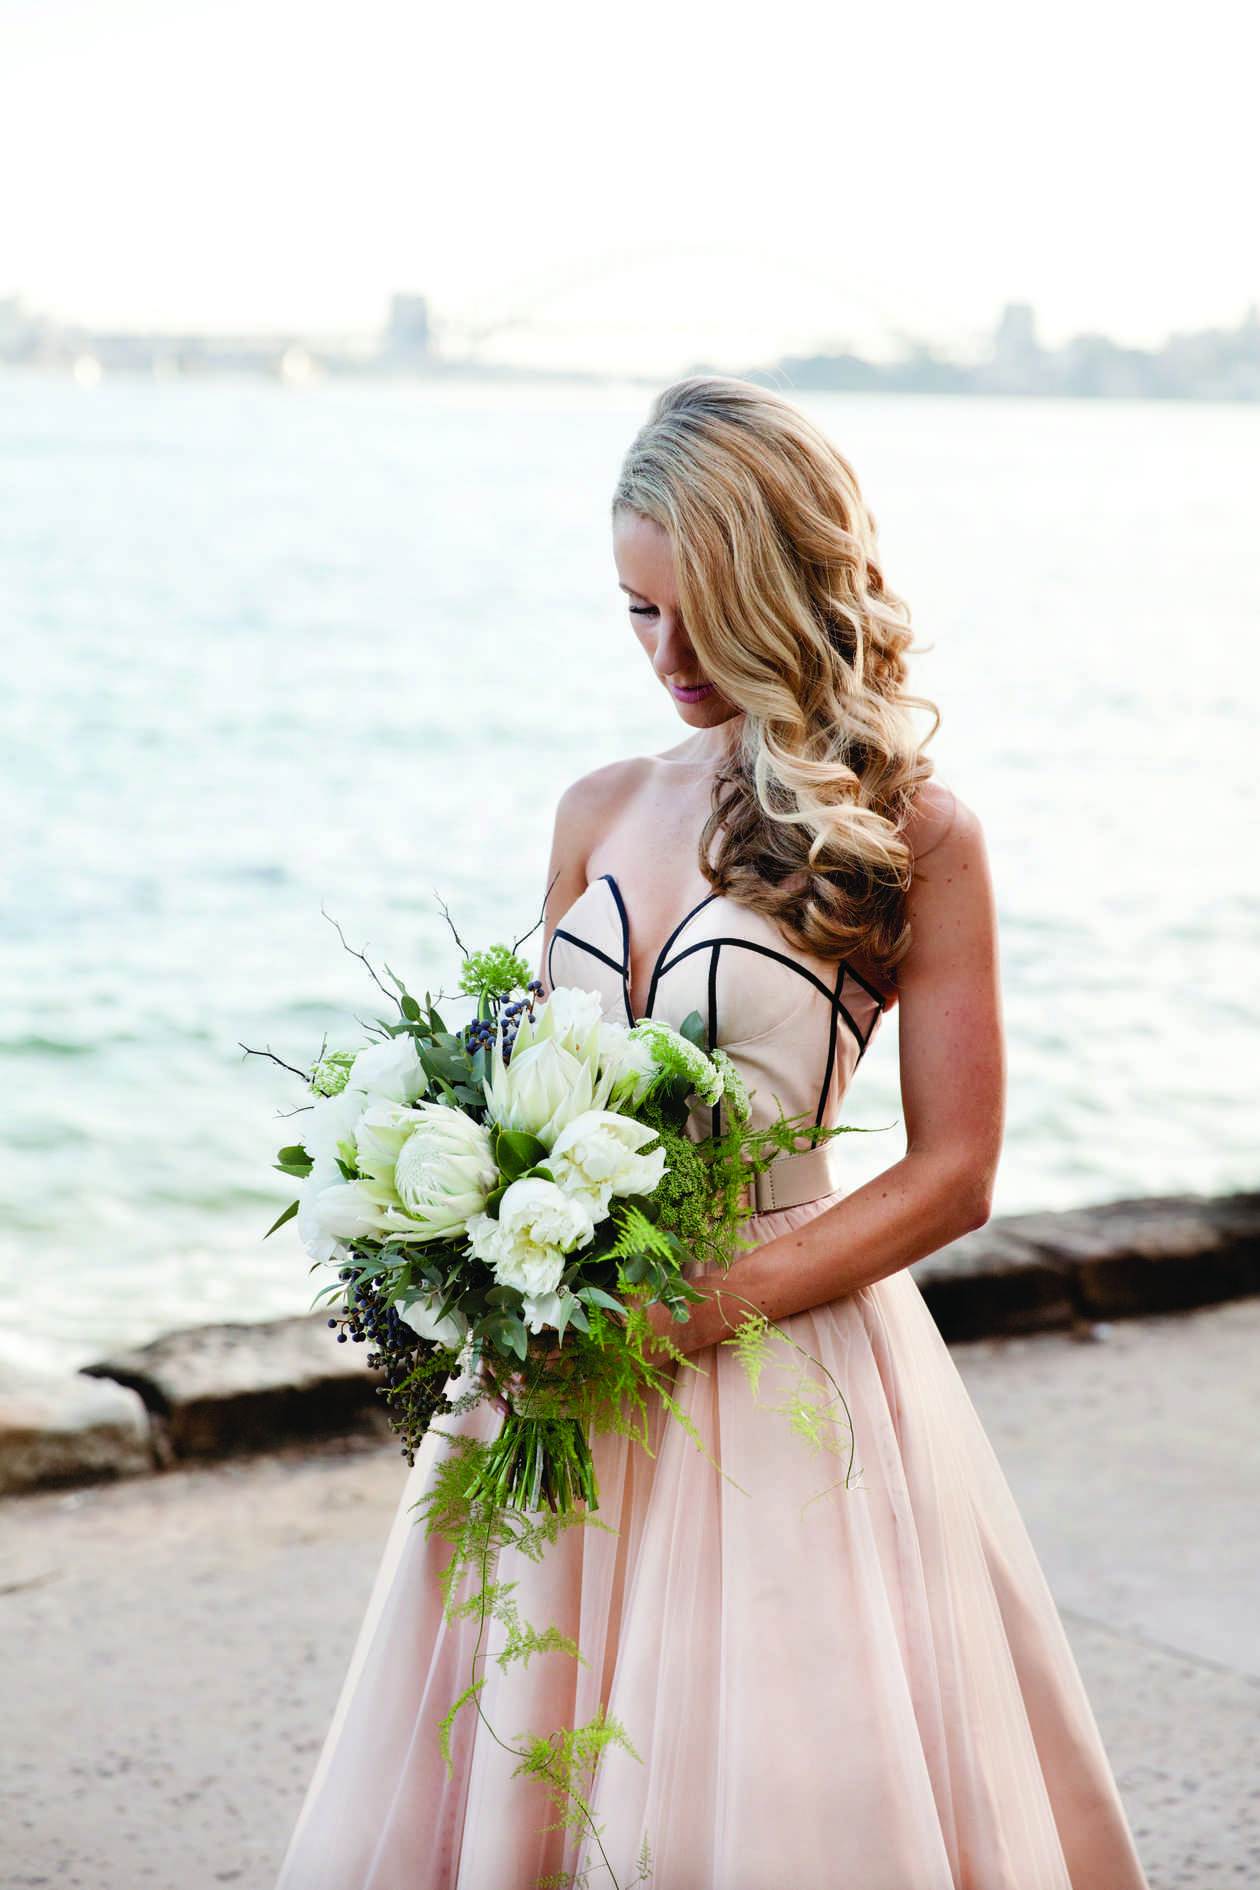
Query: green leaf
595, 1296
517, 1152
288, 1214
294, 1153
692, 1028
493, 1199
410, 1009
504, 1296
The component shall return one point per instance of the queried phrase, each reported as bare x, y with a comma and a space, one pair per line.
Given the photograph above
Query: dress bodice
795, 1026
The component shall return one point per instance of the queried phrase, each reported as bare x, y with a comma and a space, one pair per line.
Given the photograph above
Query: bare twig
363, 960
541, 919
274, 1059
446, 914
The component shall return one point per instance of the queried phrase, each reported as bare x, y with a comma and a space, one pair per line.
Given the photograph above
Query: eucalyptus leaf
594, 1296
288, 1215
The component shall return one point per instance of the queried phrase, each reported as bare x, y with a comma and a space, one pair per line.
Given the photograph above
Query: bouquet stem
538, 1463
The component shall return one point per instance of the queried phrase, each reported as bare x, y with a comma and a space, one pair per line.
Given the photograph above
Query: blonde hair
783, 598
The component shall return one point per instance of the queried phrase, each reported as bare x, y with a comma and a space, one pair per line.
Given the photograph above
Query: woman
825, 1688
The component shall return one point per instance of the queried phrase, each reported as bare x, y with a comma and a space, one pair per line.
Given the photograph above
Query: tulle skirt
826, 1688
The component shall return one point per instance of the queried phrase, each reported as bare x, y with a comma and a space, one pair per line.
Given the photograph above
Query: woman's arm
952, 1081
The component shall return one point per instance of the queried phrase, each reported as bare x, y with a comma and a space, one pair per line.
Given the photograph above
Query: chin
711, 713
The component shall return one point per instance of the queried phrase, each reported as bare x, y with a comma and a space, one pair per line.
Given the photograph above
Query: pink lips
697, 694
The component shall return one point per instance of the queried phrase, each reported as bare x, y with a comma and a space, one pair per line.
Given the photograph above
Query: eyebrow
633, 593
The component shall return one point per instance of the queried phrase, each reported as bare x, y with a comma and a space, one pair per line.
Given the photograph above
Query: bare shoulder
584, 815
942, 832
589, 805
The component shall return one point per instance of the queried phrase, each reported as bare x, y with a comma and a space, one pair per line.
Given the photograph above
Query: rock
1088, 1264
994, 1281
68, 1428
219, 1389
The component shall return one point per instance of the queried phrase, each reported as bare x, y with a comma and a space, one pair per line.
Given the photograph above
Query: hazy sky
643, 186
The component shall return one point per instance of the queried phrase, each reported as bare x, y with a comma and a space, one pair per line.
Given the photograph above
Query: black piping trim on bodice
835, 999
838, 1008
660, 966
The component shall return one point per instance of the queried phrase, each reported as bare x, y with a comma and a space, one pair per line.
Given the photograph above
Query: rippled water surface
270, 652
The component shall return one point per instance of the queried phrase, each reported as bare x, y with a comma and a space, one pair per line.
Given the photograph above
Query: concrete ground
170, 1647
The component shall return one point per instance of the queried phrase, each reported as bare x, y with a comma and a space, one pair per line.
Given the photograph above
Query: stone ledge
68, 1429
1031, 1272
211, 1391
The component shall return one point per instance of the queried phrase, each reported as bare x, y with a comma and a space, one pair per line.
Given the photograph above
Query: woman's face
645, 566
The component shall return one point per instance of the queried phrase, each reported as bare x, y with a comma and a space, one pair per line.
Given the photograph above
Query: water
270, 652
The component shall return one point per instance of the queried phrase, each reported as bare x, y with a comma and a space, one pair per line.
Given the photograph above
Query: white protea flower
542, 1089
445, 1168
600, 1155
673, 1051
734, 1089
538, 1225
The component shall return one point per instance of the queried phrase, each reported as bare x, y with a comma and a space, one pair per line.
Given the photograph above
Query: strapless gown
861, 1689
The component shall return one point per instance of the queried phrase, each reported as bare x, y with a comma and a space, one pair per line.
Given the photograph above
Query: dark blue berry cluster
503, 1024
414, 1370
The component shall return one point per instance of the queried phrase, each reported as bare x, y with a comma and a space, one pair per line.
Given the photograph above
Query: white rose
541, 1090
538, 1224
346, 1210
328, 1130
390, 1069
420, 1310
598, 1155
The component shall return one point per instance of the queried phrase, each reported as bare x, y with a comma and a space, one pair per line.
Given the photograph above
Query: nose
674, 653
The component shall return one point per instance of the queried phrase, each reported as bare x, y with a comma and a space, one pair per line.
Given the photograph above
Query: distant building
408, 336
1017, 361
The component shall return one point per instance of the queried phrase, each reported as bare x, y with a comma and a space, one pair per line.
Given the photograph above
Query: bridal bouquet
506, 1199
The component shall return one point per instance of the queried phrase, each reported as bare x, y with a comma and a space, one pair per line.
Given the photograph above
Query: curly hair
783, 598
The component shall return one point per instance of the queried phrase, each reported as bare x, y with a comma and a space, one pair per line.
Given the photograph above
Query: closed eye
643, 610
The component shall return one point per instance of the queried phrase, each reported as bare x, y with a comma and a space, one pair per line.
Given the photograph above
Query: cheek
645, 635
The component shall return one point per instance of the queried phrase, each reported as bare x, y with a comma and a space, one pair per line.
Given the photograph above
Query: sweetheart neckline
659, 965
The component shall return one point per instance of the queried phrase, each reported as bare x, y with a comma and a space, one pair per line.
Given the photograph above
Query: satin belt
794, 1180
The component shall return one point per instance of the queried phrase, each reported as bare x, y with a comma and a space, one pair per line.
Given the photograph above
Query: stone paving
171, 1646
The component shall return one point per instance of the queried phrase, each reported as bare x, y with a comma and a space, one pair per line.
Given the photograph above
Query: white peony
541, 1090
420, 1310
538, 1224
599, 1155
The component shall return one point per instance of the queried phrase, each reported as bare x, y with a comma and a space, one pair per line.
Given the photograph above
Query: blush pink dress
826, 1688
